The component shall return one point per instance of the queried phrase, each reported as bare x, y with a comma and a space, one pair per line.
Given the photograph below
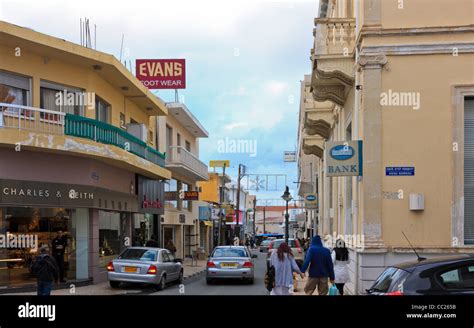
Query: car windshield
230, 252
266, 242
291, 242
389, 280
138, 254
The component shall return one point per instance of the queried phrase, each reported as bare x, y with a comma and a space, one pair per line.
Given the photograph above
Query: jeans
44, 288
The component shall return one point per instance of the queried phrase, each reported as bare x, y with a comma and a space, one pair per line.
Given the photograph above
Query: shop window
111, 234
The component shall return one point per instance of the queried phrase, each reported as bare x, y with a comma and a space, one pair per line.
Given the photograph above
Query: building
178, 136
403, 85
271, 219
77, 154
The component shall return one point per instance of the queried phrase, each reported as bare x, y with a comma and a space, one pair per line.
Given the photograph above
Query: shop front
94, 222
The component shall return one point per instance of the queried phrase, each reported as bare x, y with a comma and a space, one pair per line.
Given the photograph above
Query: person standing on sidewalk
319, 261
59, 247
284, 263
340, 256
46, 271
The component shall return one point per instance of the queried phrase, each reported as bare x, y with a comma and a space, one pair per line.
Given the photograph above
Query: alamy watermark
237, 146
68, 98
9, 240
354, 241
394, 98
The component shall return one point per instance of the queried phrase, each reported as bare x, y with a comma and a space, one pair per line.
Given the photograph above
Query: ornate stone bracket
375, 61
334, 93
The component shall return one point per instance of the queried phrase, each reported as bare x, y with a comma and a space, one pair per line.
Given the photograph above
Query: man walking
319, 260
45, 269
59, 247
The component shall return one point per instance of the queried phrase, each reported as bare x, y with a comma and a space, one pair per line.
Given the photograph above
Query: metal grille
469, 170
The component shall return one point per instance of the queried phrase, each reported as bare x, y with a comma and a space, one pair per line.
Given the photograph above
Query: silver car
148, 265
230, 262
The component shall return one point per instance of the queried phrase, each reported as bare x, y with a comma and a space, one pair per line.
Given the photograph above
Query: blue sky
244, 62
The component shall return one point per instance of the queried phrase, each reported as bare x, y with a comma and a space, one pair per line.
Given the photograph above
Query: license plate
229, 265
131, 269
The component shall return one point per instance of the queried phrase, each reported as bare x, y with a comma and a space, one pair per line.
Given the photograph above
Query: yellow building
399, 76
76, 150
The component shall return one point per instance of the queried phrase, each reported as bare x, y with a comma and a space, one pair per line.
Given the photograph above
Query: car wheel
162, 284
209, 281
181, 277
114, 284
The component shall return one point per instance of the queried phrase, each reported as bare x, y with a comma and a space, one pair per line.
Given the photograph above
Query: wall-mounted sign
189, 195
400, 171
162, 73
222, 163
343, 158
150, 195
310, 201
289, 156
204, 213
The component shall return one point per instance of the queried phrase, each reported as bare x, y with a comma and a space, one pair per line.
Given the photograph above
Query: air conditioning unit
138, 130
417, 202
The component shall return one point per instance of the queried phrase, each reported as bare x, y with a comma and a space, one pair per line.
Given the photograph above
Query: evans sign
162, 73
344, 158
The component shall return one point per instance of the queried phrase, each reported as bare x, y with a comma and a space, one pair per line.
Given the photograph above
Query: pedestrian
284, 264
340, 257
319, 261
59, 245
46, 271
152, 242
171, 247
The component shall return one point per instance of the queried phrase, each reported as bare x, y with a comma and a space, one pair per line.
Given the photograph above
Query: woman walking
341, 265
284, 263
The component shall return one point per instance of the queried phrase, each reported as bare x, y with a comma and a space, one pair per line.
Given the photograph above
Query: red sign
191, 195
151, 204
162, 73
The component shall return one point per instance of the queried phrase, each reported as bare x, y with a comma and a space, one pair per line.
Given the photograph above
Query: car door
174, 267
166, 266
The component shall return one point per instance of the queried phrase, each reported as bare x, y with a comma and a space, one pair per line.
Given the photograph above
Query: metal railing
179, 155
43, 120
31, 118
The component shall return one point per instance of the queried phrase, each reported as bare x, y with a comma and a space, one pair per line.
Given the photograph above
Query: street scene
257, 148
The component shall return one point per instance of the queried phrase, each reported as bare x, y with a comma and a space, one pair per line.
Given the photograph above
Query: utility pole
237, 228
254, 214
264, 230
220, 205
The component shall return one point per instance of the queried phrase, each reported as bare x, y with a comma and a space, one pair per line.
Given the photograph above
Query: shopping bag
333, 291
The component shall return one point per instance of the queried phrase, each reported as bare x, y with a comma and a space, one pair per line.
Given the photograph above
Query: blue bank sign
343, 158
400, 171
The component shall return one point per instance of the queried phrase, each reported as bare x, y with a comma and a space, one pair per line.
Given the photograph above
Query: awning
207, 223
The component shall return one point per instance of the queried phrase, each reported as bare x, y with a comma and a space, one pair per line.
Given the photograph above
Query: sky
244, 63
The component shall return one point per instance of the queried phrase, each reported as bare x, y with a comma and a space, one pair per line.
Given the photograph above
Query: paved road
198, 286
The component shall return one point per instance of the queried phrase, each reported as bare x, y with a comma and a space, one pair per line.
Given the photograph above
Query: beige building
178, 136
399, 76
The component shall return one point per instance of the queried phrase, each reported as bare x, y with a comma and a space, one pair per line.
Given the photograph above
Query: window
165, 257
188, 146
178, 142
172, 186
469, 170
102, 110
138, 254
230, 252
111, 229
14, 89
392, 279
60, 98
170, 256
186, 204
459, 278
132, 121
169, 141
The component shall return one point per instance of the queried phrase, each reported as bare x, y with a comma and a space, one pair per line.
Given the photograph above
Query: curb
194, 275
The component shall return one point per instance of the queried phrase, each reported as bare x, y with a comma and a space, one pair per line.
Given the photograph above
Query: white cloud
276, 88
235, 125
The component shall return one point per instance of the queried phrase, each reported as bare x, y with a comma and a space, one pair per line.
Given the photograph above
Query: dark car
438, 276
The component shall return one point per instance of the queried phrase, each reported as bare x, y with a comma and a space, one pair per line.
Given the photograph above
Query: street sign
343, 158
219, 163
310, 201
400, 171
289, 156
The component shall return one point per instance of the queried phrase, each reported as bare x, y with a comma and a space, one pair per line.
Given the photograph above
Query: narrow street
198, 285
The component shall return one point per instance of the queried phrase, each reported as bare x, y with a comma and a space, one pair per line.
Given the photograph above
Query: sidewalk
103, 288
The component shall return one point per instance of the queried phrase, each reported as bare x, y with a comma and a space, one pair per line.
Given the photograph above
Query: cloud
235, 125
276, 88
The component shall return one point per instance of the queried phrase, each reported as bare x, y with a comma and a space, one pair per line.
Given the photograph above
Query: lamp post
287, 198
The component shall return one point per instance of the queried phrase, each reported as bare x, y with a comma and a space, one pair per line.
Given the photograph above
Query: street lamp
287, 198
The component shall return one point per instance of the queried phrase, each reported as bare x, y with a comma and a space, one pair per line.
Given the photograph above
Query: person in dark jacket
59, 245
319, 261
152, 242
46, 271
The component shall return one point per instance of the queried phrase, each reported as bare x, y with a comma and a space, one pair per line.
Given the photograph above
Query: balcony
51, 130
184, 162
319, 119
333, 59
313, 145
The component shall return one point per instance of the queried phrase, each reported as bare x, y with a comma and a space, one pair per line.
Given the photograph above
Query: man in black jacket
46, 270
59, 245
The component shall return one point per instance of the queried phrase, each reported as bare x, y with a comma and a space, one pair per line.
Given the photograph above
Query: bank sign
162, 73
310, 201
343, 158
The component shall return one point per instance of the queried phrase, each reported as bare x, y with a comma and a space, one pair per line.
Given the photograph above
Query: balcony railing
178, 155
47, 121
334, 36
31, 118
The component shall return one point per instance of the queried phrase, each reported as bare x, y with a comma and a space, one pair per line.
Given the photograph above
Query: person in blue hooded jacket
319, 261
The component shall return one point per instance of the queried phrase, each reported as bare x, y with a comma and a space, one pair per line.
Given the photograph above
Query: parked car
149, 265
295, 246
264, 246
230, 262
452, 275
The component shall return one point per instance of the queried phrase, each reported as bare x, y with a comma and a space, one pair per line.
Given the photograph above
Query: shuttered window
469, 170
